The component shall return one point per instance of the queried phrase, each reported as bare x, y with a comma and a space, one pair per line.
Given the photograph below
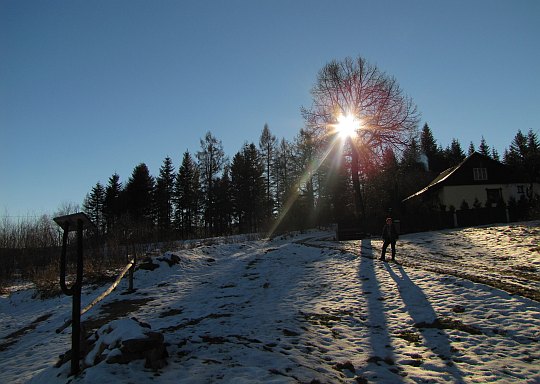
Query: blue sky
89, 88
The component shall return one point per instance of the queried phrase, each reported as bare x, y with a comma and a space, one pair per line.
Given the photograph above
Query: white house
477, 178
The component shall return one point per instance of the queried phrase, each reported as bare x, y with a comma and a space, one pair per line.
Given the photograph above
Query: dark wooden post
79, 221
131, 273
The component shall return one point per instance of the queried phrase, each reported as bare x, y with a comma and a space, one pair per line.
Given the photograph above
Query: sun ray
311, 169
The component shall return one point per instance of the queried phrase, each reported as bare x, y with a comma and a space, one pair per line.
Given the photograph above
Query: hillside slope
306, 309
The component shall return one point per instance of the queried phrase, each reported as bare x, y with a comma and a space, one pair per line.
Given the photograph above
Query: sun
347, 126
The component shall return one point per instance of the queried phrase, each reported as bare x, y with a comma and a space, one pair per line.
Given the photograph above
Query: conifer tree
435, 154
533, 156
247, 187
454, 154
484, 148
390, 174
186, 196
224, 205
267, 146
524, 156
93, 206
427, 142
112, 205
472, 149
211, 159
411, 157
495, 154
306, 153
138, 196
337, 189
283, 170
413, 173
164, 197
515, 157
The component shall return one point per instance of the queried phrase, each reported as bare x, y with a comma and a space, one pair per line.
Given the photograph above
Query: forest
274, 186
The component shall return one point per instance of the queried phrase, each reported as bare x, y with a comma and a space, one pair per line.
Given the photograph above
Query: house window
480, 174
520, 189
493, 196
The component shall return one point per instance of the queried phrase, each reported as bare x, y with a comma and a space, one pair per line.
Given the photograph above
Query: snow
462, 306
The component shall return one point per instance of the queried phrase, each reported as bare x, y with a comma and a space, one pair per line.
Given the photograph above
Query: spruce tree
515, 156
413, 174
495, 154
523, 156
428, 146
472, 149
138, 196
411, 158
533, 156
112, 206
247, 188
164, 197
186, 196
484, 148
454, 154
93, 206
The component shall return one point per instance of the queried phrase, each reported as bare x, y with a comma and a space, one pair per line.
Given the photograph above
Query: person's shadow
422, 313
381, 361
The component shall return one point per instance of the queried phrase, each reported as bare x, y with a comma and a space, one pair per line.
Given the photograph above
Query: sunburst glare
347, 125
311, 169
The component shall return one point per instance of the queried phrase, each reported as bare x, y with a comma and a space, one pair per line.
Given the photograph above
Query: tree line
208, 194
275, 185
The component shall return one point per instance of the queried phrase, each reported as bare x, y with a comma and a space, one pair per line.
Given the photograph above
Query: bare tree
387, 117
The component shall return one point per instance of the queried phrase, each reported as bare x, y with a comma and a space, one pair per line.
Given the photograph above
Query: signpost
74, 222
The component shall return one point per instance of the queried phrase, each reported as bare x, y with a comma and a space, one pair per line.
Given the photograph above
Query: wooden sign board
70, 222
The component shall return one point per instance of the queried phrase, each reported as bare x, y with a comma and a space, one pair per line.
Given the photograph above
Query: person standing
390, 236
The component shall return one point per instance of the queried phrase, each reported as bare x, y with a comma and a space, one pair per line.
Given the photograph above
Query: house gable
474, 170
478, 169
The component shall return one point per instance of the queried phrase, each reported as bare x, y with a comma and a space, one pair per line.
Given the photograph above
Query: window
520, 189
493, 196
480, 174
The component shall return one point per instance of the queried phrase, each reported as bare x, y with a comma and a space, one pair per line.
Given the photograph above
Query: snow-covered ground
462, 307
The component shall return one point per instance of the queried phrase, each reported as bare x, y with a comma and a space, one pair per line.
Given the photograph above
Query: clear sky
89, 88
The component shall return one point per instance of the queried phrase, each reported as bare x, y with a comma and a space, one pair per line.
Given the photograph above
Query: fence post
131, 272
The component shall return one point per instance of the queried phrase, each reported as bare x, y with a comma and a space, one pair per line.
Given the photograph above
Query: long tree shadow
425, 319
381, 361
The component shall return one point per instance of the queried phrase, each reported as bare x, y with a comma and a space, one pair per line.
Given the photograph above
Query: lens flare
308, 173
347, 126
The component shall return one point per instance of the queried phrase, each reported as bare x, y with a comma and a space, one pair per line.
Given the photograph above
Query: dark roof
461, 174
